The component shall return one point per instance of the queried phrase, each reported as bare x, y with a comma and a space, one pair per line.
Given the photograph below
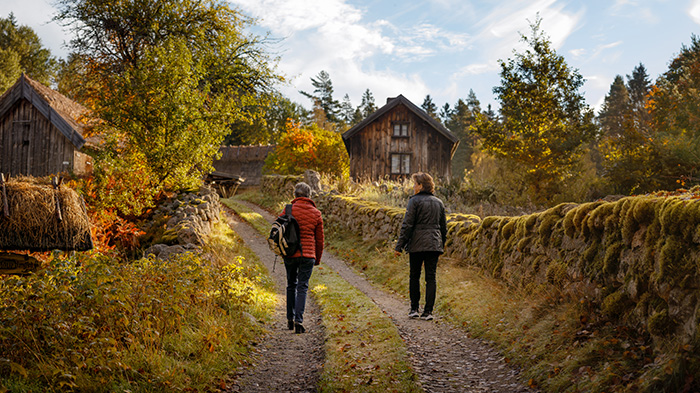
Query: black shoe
427, 316
413, 314
299, 328
290, 325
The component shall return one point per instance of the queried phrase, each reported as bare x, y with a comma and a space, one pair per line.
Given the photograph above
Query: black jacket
424, 226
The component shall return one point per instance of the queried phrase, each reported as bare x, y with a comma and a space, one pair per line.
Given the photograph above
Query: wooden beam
5, 208
17, 264
56, 182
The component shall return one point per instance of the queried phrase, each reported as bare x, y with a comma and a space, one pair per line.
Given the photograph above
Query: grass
364, 351
87, 323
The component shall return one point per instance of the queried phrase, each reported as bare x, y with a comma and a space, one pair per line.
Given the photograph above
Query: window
400, 129
400, 164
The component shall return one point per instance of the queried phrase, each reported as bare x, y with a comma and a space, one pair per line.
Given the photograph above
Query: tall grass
87, 323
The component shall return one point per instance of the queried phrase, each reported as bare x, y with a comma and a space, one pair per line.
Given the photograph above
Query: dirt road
444, 358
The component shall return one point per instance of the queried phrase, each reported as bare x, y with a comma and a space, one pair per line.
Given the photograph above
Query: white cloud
694, 11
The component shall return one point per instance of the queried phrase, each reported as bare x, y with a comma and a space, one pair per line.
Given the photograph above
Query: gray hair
302, 190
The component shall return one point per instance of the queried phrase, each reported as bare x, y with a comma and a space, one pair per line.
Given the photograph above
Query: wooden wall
31, 145
244, 161
370, 149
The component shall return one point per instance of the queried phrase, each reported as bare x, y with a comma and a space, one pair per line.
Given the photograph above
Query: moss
644, 210
530, 221
629, 224
669, 259
671, 216
615, 304
523, 243
488, 221
556, 272
611, 261
569, 223
507, 228
546, 225
591, 251
659, 323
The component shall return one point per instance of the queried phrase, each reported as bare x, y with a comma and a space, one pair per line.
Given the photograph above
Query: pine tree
323, 93
429, 106
367, 107
545, 120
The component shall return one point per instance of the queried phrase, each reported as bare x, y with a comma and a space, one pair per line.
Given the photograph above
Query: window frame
403, 158
401, 124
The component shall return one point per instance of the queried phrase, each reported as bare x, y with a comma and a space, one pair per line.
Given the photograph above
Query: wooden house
39, 131
398, 140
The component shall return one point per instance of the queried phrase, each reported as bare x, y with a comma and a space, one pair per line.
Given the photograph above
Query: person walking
300, 265
423, 235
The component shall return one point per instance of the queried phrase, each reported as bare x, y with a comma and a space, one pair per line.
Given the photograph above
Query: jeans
298, 275
416, 260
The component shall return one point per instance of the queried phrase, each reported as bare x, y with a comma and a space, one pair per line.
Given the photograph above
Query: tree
269, 128
167, 78
347, 112
445, 113
312, 147
21, 51
429, 106
625, 150
673, 105
367, 106
461, 119
323, 93
545, 121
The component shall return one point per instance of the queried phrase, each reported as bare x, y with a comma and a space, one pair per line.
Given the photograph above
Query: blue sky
442, 47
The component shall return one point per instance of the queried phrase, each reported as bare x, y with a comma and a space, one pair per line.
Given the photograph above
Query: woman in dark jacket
423, 235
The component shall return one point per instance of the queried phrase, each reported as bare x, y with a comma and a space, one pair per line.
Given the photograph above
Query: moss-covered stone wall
279, 186
637, 259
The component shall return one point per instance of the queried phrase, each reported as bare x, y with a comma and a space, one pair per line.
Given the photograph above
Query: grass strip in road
364, 352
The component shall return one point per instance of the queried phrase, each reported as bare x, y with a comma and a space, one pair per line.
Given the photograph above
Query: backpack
284, 239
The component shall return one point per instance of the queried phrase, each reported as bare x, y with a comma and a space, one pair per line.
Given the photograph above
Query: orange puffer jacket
311, 227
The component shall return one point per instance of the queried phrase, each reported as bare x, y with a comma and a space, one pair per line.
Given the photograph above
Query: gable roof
61, 111
394, 102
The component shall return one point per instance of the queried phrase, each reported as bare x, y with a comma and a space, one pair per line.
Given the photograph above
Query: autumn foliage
302, 148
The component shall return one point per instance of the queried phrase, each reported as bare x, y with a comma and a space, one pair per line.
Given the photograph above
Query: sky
442, 48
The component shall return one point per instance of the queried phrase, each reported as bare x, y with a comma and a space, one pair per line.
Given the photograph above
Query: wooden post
55, 182
5, 208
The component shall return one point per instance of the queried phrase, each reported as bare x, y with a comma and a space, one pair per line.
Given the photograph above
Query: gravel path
444, 358
284, 362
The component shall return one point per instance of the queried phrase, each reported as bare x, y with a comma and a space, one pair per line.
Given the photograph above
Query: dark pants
298, 275
416, 259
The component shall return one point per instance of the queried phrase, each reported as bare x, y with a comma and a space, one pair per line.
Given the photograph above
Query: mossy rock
611, 261
660, 324
615, 305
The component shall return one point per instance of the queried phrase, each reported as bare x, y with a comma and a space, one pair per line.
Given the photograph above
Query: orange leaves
305, 148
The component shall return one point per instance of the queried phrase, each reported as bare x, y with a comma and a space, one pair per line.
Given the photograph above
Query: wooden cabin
39, 131
398, 140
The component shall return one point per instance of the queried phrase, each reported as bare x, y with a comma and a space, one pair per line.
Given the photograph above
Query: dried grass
33, 222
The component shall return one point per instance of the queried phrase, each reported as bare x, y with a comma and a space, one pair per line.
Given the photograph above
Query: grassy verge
87, 323
364, 352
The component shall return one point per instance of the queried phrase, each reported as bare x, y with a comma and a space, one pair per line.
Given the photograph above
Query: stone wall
634, 259
192, 216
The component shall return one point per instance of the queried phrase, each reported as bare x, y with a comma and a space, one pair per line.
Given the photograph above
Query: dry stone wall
192, 216
634, 259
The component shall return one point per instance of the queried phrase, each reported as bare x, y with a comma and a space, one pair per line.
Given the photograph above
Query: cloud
694, 11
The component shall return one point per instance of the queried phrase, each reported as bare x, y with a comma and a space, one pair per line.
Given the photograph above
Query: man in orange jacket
300, 265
